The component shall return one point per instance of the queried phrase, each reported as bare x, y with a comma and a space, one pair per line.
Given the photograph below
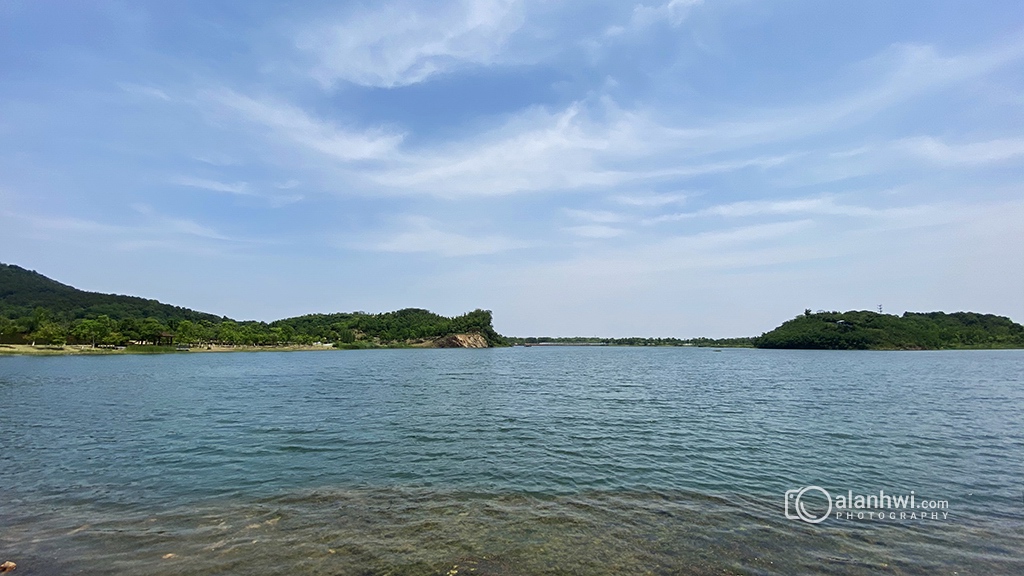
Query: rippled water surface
559, 460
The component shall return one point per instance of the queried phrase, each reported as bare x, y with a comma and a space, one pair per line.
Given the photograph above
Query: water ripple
722, 436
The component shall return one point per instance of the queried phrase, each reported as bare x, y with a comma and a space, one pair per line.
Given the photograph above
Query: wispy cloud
594, 144
290, 184
146, 91
896, 75
598, 216
595, 231
820, 206
150, 229
534, 151
650, 200
740, 247
424, 235
571, 149
291, 123
971, 153
275, 198
240, 188
673, 12
646, 144
400, 45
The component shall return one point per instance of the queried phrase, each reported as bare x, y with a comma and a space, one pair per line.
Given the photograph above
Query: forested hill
409, 324
34, 308
22, 291
864, 330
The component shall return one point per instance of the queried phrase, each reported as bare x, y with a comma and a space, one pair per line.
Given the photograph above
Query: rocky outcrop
461, 341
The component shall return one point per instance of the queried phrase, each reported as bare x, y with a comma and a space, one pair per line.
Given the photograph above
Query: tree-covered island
865, 330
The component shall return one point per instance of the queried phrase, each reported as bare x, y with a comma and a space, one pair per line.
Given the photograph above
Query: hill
864, 330
407, 325
34, 308
22, 291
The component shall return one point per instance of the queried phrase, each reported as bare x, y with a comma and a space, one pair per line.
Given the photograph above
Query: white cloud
274, 199
423, 235
673, 12
152, 230
573, 149
595, 231
820, 206
596, 144
535, 151
293, 124
593, 144
401, 45
65, 224
650, 200
899, 74
288, 185
240, 188
598, 216
146, 91
192, 228
218, 159
972, 153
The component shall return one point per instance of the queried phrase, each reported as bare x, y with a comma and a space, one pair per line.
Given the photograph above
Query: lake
515, 461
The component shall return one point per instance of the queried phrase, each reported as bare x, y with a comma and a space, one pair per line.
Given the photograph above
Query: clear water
508, 461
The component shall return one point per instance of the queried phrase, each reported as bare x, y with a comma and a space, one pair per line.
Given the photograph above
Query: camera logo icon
797, 502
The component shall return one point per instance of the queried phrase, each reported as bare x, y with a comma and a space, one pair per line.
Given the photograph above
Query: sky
658, 168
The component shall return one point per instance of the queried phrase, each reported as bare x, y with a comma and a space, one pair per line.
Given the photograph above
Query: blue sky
657, 168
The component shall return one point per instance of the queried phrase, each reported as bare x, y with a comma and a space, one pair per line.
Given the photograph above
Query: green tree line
34, 308
403, 326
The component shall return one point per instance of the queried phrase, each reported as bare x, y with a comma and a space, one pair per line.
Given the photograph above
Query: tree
40, 316
228, 333
95, 330
187, 332
130, 329
86, 331
7, 328
50, 333
151, 330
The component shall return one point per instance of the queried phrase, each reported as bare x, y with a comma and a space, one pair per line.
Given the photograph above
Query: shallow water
508, 461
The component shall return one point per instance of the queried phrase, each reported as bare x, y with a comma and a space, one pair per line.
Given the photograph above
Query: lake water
522, 461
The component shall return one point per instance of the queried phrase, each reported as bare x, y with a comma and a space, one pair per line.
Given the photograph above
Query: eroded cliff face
461, 341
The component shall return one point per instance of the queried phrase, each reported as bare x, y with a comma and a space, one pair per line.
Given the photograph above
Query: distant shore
86, 350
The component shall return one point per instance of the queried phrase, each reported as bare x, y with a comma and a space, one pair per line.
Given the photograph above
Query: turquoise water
520, 461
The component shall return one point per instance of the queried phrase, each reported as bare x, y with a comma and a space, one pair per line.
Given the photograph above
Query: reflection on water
518, 462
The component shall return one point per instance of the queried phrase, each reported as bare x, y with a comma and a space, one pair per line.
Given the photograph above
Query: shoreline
86, 350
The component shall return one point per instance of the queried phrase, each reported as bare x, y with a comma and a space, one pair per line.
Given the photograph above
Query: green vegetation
36, 309
863, 330
410, 324
23, 291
